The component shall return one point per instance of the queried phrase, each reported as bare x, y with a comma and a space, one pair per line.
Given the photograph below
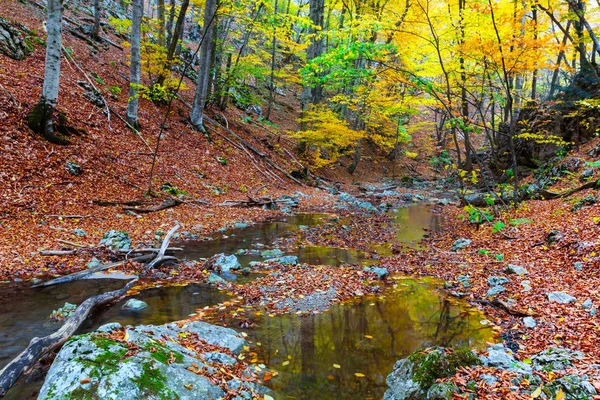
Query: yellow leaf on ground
359, 375
336, 366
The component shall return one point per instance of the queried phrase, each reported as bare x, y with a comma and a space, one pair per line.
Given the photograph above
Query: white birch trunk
40, 116
135, 67
204, 68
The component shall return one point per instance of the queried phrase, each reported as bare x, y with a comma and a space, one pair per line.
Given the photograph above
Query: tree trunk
273, 49
174, 39
160, 5
135, 67
315, 49
40, 117
204, 68
97, 11
170, 23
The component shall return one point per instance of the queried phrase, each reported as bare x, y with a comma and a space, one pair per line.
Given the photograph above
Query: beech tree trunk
315, 49
135, 67
273, 49
204, 68
40, 117
97, 11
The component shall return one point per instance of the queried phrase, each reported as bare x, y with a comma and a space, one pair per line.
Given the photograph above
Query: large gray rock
561, 297
93, 366
495, 291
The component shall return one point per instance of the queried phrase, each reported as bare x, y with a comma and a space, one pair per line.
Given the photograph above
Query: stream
365, 336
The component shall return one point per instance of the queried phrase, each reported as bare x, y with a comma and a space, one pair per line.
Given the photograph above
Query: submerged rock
381, 272
134, 305
268, 254
285, 260
95, 366
213, 279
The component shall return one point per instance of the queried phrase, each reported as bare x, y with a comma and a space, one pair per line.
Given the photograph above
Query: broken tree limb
38, 347
82, 274
503, 306
57, 252
171, 202
160, 257
149, 250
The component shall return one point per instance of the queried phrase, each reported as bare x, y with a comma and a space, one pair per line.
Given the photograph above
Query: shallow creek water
365, 336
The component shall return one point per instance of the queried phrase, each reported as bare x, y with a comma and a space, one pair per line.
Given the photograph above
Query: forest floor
44, 199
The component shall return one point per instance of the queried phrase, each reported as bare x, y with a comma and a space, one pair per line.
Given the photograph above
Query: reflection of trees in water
403, 322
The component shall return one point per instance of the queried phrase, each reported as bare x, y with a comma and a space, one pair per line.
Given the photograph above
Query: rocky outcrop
414, 378
148, 362
12, 43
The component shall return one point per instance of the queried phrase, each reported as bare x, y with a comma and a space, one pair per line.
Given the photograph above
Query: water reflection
367, 337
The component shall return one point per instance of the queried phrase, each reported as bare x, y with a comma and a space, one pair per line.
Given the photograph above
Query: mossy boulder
414, 377
149, 363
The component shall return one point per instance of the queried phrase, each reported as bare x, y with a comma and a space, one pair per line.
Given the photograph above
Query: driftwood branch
38, 347
82, 274
160, 257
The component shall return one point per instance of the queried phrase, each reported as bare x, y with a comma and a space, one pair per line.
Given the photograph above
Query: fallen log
160, 257
149, 250
503, 306
39, 347
57, 252
82, 274
171, 202
264, 201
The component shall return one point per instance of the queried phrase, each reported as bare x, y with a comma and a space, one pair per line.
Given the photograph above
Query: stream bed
316, 356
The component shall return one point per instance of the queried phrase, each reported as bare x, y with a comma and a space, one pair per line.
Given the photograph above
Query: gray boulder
460, 244
269, 254
515, 269
441, 391
496, 290
497, 280
529, 322
561, 297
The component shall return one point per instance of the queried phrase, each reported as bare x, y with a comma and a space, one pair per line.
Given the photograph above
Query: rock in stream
148, 363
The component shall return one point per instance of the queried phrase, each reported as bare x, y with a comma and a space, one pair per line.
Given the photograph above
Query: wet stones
116, 240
